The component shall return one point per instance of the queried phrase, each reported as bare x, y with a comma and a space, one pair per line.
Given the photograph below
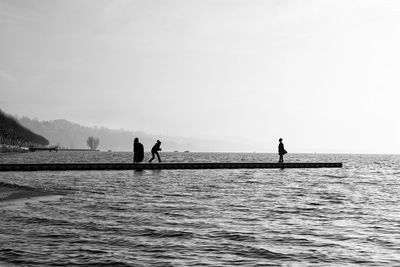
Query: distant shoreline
17, 149
12, 149
77, 149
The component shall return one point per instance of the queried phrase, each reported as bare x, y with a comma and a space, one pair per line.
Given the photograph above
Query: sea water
246, 217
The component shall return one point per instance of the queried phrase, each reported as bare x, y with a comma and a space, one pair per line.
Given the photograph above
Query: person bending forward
154, 151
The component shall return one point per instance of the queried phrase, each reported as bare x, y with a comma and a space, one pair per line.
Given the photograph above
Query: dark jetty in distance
55, 148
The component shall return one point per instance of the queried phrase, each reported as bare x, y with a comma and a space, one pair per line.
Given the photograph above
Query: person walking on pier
154, 151
281, 150
138, 151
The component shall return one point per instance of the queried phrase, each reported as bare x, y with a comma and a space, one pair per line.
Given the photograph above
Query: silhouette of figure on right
281, 150
154, 151
138, 151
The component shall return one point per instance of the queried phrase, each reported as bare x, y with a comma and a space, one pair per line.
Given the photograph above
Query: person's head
158, 141
136, 140
280, 139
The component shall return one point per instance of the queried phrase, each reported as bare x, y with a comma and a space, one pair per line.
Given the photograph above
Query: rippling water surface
291, 217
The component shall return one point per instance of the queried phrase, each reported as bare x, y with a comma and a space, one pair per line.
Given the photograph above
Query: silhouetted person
281, 151
154, 151
138, 151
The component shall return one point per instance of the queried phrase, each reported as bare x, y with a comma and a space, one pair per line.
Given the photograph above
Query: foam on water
347, 216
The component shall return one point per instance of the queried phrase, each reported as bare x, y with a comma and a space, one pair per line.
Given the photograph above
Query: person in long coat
281, 150
138, 151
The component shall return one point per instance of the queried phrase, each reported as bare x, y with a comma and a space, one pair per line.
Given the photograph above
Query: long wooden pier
162, 166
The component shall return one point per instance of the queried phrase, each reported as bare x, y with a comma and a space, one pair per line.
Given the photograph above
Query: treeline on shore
13, 133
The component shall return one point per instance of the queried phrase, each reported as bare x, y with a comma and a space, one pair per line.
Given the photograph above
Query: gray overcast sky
324, 75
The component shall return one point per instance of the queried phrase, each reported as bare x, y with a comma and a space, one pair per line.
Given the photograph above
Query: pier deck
164, 165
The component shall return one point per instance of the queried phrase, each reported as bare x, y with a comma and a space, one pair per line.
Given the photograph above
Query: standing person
154, 151
138, 151
281, 150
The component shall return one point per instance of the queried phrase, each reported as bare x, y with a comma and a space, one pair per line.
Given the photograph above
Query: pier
55, 148
34, 149
164, 166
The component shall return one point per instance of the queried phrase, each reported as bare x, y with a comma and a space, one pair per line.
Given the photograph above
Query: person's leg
158, 156
152, 156
280, 158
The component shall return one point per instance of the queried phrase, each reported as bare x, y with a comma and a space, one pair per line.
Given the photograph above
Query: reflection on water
206, 217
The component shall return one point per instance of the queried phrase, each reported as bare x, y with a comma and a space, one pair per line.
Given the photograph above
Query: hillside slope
13, 133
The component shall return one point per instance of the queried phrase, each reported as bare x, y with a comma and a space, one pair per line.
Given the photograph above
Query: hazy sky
323, 75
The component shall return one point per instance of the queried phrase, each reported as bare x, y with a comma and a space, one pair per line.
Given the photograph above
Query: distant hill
13, 133
72, 135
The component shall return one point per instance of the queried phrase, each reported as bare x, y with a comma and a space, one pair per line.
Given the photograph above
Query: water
291, 217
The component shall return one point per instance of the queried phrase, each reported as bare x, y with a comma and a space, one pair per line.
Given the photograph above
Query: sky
323, 75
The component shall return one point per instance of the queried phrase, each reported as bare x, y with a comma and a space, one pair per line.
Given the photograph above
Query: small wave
334, 176
15, 257
256, 252
4, 264
92, 250
15, 186
8, 253
252, 182
105, 264
46, 221
165, 233
89, 262
234, 236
